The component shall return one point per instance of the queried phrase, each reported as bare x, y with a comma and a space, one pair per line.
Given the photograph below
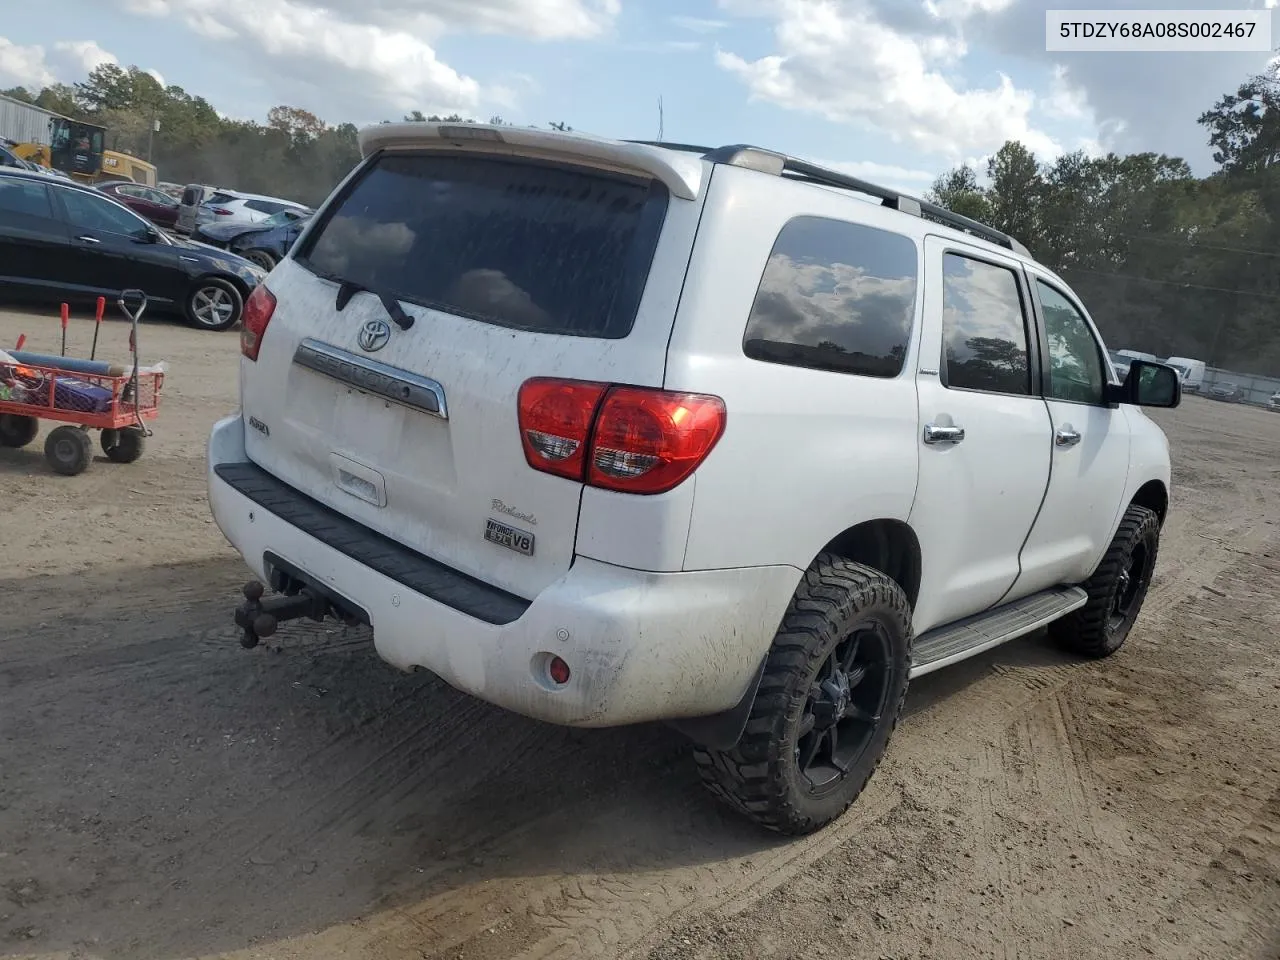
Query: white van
1191, 371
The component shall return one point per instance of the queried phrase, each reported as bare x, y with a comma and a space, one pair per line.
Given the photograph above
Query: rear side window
984, 328
835, 296
22, 200
264, 206
549, 249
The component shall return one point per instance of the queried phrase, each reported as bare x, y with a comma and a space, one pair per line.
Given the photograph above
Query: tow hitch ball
259, 618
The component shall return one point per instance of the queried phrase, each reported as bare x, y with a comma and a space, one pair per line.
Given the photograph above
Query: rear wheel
831, 694
1116, 590
68, 450
214, 304
17, 430
123, 446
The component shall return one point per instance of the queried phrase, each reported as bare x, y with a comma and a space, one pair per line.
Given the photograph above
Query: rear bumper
641, 646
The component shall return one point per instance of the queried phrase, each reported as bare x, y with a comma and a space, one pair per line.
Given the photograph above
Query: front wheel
68, 450
260, 258
214, 304
1116, 590
124, 445
832, 691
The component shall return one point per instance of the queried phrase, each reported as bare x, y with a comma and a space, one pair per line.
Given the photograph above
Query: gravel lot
164, 793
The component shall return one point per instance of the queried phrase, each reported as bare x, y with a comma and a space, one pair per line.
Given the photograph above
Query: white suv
608, 432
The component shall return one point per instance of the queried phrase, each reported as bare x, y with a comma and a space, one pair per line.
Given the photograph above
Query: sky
896, 91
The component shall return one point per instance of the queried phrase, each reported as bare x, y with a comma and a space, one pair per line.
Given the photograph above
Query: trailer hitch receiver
259, 618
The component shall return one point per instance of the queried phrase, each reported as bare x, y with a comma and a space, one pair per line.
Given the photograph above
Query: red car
157, 206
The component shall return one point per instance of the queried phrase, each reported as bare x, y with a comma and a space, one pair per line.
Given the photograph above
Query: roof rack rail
779, 164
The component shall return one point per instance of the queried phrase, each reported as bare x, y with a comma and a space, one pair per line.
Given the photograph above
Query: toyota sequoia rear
453, 428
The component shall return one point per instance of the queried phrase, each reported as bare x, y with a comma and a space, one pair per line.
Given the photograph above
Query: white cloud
68, 61
427, 19
698, 24
1065, 101
369, 59
963, 9
24, 66
841, 61
904, 179
84, 55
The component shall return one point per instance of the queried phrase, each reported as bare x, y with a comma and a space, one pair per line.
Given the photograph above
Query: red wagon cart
83, 396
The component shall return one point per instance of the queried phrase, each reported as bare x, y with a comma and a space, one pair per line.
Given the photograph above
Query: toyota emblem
374, 335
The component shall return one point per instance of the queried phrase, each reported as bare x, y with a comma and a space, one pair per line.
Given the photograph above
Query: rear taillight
630, 439
555, 423
257, 314
219, 212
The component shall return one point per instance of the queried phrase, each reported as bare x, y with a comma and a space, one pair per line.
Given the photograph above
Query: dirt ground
164, 793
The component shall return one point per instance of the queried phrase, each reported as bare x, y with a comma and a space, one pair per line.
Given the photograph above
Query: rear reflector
629, 439
253, 324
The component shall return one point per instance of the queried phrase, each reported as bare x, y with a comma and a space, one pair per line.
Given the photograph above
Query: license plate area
512, 538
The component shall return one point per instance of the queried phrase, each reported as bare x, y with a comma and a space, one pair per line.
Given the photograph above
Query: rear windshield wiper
349, 288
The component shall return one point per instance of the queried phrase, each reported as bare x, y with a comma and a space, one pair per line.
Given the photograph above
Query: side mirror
1150, 385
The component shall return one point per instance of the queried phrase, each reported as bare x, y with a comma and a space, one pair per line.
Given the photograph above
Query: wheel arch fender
888, 545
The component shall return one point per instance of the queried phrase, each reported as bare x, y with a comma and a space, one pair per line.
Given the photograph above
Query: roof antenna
659, 118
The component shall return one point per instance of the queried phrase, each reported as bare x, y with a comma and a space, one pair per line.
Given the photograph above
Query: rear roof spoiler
678, 165
681, 173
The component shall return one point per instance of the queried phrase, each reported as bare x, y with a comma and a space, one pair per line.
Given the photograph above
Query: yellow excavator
73, 147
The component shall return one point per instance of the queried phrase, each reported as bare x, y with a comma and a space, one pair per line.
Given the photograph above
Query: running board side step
965, 638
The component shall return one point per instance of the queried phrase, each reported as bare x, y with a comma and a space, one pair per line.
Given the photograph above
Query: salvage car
264, 243
156, 205
607, 432
1227, 391
60, 241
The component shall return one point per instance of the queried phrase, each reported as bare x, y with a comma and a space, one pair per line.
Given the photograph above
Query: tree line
294, 155
1167, 262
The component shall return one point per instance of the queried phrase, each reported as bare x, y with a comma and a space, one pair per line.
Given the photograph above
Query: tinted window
545, 248
1075, 360
264, 206
23, 199
219, 197
835, 296
984, 331
87, 212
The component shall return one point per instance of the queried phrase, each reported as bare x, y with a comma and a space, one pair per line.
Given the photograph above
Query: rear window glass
544, 248
219, 197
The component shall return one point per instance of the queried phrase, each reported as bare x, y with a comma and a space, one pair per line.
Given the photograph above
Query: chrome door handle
933, 433
88, 239
1066, 436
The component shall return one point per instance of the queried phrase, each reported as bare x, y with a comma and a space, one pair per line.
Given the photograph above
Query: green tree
1244, 127
958, 190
